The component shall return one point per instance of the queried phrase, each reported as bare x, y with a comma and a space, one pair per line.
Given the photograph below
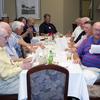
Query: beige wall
63, 12
10, 8
96, 10
71, 12
85, 7
55, 8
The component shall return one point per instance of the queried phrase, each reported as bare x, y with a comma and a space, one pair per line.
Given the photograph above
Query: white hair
16, 25
85, 19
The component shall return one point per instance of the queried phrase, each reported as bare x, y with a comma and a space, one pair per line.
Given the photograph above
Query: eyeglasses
97, 30
97, 34
4, 37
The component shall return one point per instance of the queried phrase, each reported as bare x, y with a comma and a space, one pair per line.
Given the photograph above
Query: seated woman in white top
79, 29
88, 30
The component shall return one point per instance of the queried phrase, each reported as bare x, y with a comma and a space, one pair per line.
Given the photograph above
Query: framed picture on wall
28, 8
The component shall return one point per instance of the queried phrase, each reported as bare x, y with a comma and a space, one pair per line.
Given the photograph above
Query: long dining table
77, 86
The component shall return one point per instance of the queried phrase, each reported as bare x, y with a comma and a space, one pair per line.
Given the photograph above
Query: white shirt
80, 41
77, 32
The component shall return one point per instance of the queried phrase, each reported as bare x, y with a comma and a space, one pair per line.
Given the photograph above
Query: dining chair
97, 82
95, 91
47, 82
8, 96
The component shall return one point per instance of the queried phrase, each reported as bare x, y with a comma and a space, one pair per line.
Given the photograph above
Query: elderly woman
15, 41
90, 62
88, 32
29, 30
79, 32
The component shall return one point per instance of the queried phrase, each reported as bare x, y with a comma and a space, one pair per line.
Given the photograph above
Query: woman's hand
76, 58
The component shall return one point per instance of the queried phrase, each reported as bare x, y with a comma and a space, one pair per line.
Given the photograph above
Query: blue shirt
87, 59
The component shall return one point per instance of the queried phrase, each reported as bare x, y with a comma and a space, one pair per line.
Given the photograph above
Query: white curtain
1, 8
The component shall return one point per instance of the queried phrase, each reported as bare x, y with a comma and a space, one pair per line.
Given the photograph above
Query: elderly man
6, 27
9, 72
90, 62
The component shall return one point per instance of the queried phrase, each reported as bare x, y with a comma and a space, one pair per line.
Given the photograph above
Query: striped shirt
87, 59
13, 48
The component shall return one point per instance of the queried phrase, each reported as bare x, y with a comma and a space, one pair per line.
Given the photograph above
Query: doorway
86, 8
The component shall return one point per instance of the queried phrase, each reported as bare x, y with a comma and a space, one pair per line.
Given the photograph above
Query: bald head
97, 24
2, 31
6, 26
3, 37
96, 30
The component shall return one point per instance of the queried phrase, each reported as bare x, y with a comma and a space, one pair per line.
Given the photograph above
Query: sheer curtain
1, 8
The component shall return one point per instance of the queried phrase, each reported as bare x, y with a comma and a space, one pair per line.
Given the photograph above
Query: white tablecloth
77, 86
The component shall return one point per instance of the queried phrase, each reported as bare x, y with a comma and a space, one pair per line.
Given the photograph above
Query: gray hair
85, 19
16, 25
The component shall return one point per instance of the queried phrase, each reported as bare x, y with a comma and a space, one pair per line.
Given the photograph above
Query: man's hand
27, 63
77, 61
26, 60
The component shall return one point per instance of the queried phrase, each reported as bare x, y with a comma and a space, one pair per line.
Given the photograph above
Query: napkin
95, 49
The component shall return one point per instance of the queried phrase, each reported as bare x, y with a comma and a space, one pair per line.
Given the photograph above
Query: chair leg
94, 98
9, 97
72, 98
